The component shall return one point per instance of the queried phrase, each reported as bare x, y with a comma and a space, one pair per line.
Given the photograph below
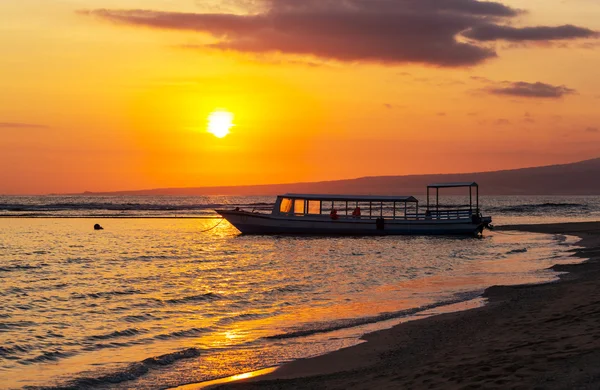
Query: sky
106, 95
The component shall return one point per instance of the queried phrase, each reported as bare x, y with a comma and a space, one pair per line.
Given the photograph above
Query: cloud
592, 129
502, 122
495, 32
16, 125
531, 90
355, 30
381, 31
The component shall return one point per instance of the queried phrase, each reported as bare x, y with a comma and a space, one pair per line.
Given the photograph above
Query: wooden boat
363, 215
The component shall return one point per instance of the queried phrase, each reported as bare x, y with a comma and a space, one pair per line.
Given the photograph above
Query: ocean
167, 294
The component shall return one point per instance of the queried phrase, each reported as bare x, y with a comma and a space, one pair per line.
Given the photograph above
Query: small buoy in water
98, 227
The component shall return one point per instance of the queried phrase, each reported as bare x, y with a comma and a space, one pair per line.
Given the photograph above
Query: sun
220, 122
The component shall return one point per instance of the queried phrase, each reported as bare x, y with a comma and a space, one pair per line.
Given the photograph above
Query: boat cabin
375, 207
347, 206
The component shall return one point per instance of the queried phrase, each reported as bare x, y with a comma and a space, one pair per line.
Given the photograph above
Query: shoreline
527, 336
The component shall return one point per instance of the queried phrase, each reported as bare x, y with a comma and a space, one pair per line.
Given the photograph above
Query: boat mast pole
470, 200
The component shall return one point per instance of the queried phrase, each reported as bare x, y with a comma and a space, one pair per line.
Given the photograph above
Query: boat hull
257, 223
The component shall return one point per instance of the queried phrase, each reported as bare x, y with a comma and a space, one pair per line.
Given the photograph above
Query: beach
529, 336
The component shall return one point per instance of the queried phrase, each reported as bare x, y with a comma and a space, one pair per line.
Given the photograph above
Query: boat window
298, 206
286, 205
314, 207
340, 206
326, 207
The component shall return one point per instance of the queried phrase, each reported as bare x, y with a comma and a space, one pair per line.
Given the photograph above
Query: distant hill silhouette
581, 178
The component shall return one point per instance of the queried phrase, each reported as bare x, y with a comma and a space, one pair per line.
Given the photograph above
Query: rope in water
214, 227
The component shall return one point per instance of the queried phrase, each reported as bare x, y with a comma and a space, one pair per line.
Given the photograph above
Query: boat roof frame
453, 185
352, 198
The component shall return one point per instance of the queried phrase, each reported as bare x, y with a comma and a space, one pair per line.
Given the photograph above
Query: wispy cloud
495, 32
530, 90
18, 125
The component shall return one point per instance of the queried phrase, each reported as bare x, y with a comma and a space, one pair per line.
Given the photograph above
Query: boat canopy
470, 185
351, 198
453, 185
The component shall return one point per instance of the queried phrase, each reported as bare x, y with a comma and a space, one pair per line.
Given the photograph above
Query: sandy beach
527, 337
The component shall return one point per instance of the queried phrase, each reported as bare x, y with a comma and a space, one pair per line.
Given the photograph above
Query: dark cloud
481, 79
495, 32
384, 31
13, 125
592, 129
531, 90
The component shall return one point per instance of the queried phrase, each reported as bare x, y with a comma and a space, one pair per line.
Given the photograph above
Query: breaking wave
324, 327
117, 207
131, 372
539, 207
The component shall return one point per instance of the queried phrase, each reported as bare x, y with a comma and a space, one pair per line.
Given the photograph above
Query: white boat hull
258, 223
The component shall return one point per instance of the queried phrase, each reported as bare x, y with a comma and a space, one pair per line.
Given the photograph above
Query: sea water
182, 297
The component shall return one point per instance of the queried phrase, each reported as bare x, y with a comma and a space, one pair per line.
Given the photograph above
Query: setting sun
219, 123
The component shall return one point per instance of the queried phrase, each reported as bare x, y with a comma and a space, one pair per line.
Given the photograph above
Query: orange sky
97, 96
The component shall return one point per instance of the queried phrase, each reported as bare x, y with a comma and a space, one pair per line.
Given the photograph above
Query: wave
106, 294
19, 267
113, 344
139, 318
290, 288
242, 317
194, 298
182, 333
7, 326
115, 206
131, 372
523, 250
14, 350
47, 356
116, 334
525, 208
325, 327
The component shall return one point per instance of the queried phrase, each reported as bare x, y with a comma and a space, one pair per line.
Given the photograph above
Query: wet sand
544, 336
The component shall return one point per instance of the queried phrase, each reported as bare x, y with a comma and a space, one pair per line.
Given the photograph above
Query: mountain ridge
579, 178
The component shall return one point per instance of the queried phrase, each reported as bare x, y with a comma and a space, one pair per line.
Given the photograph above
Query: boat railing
420, 216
